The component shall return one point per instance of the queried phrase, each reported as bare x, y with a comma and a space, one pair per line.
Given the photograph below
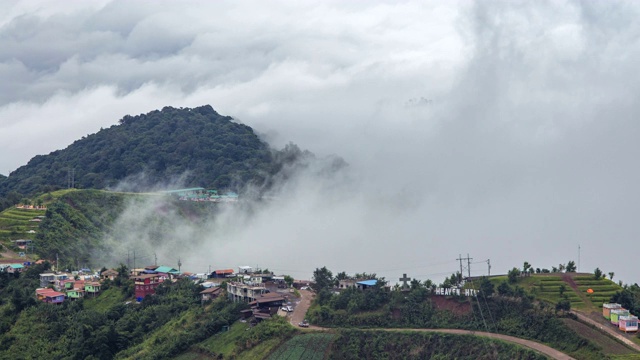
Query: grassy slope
547, 288
14, 222
238, 342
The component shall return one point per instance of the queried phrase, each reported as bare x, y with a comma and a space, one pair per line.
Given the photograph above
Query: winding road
306, 297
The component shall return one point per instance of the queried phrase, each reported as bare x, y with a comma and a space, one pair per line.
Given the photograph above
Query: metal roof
368, 282
182, 190
166, 269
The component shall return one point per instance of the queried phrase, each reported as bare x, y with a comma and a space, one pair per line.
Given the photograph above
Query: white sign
456, 292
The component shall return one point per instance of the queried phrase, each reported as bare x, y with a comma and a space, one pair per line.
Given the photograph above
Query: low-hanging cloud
522, 149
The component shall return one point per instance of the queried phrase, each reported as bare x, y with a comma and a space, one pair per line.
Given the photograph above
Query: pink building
628, 323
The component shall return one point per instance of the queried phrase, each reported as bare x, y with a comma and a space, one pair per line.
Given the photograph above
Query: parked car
304, 323
287, 308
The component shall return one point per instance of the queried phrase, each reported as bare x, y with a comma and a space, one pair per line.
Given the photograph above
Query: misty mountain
189, 147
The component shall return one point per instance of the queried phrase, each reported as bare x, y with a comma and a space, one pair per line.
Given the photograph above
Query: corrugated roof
165, 269
211, 290
368, 282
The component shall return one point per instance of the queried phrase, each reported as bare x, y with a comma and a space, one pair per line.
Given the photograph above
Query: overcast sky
506, 130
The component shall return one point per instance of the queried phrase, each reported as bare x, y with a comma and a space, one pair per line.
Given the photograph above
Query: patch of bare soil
451, 304
609, 345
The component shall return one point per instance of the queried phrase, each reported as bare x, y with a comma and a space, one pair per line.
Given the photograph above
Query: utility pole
460, 258
134, 260
489, 267
57, 262
128, 260
155, 259
578, 257
179, 264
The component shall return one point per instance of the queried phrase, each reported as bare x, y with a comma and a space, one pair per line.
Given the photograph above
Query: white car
287, 308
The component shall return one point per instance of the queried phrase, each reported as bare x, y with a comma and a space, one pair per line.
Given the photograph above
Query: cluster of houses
620, 317
202, 194
245, 285
250, 286
55, 288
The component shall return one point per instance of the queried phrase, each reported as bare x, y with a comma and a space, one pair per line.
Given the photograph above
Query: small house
54, 297
109, 274
218, 274
606, 309
616, 313
366, 284
75, 294
47, 279
628, 323
67, 284
91, 287
210, 293
347, 283
23, 243
269, 302
49, 296
15, 268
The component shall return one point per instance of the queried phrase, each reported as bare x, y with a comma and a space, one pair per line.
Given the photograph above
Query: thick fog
503, 130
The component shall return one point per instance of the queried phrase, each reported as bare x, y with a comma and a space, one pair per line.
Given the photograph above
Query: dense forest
170, 147
201, 146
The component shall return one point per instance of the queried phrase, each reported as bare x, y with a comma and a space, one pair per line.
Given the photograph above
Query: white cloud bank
506, 130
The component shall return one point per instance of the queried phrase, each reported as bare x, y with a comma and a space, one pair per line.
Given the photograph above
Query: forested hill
201, 146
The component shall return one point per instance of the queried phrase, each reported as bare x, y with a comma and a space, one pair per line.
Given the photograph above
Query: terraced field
603, 289
17, 223
306, 346
547, 287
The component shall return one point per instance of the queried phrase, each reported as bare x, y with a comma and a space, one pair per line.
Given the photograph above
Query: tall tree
323, 279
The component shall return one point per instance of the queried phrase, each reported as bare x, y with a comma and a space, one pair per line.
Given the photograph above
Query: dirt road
300, 312
541, 348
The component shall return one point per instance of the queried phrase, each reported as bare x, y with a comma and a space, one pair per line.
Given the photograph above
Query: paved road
608, 329
300, 312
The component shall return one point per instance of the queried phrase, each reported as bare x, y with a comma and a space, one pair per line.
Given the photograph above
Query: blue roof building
366, 283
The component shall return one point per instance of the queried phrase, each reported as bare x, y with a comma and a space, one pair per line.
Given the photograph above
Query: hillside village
342, 301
